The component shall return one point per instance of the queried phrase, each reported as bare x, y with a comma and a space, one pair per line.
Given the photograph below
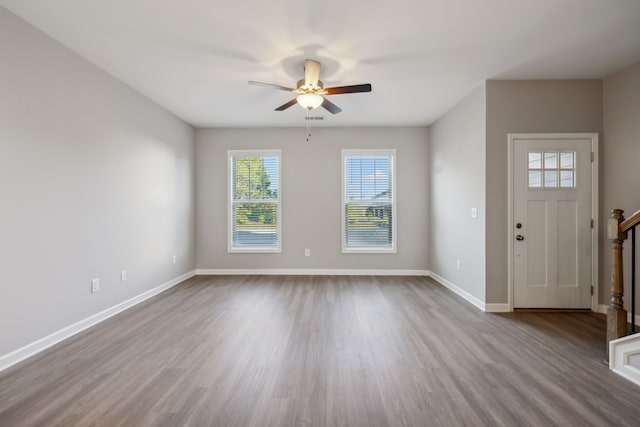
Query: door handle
519, 237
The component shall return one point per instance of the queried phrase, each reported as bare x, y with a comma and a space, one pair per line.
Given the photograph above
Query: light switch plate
95, 285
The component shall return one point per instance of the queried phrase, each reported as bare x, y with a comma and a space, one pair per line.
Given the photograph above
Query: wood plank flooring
322, 351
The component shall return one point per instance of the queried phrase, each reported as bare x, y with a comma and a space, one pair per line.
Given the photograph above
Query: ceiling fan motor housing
303, 87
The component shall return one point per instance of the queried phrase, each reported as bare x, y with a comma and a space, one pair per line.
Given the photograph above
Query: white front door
552, 247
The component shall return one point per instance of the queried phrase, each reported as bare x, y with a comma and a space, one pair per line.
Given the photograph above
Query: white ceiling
194, 57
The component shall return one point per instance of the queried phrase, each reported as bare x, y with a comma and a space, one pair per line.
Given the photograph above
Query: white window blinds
369, 201
254, 201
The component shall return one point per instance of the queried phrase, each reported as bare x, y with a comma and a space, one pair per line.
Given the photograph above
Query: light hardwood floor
322, 351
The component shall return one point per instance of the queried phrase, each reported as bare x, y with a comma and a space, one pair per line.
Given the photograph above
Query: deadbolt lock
519, 237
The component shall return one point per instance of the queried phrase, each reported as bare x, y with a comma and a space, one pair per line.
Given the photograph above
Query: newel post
616, 314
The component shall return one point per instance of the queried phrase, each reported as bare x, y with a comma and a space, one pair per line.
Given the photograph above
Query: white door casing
553, 200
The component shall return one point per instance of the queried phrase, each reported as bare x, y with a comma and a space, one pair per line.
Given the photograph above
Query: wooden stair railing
617, 231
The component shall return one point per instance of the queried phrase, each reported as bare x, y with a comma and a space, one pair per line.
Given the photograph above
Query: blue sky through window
368, 178
271, 167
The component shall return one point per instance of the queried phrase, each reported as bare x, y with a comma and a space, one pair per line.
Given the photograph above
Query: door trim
512, 138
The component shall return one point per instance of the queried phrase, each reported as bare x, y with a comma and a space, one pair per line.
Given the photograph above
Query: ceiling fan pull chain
308, 126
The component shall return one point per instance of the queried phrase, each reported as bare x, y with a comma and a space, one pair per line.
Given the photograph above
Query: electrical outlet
175, 258
95, 285
474, 213
123, 276
458, 265
307, 252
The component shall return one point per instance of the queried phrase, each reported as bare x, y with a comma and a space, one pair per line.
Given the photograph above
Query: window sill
254, 250
369, 251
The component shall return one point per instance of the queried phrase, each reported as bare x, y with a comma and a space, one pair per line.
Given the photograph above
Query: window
254, 201
552, 169
368, 201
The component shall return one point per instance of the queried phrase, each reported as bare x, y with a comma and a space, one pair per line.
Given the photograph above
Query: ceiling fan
311, 92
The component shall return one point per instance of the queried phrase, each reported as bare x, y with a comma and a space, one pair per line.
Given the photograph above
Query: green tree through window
252, 183
254, 200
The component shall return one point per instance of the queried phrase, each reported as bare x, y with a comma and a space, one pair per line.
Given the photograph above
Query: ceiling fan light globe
310, 101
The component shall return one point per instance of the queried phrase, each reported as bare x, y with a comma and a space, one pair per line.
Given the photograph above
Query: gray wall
94, 179
527, 106
457, 168
620, 166
311, 205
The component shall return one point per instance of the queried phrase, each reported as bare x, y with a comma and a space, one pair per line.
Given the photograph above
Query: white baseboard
456, 289
35, 347
309, 272
497, 308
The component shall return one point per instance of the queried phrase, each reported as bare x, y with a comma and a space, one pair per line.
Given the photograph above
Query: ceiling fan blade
288, 89
283, 107
311, 73
330, 106
348, 89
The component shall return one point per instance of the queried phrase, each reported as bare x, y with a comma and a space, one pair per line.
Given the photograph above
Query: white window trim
252, 249
394, 203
